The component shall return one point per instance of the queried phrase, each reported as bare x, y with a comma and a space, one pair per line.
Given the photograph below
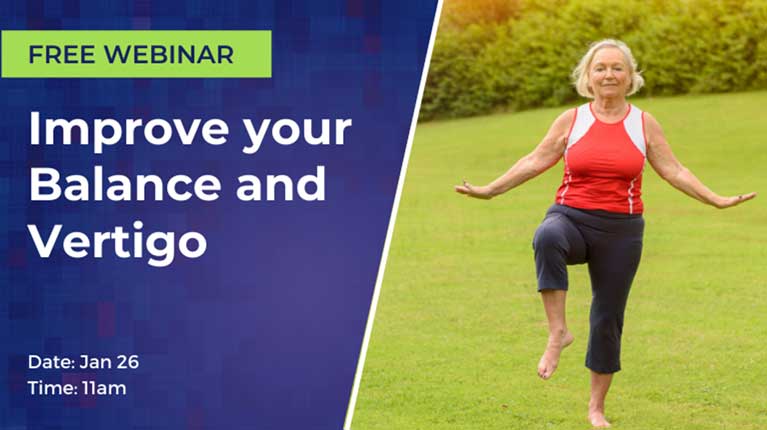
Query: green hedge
682, 46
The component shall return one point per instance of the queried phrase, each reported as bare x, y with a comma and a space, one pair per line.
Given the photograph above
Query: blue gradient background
263, 331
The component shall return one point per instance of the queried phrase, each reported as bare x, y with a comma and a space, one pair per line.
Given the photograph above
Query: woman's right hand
478, 192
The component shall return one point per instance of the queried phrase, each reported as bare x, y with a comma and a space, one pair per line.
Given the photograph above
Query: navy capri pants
611, 244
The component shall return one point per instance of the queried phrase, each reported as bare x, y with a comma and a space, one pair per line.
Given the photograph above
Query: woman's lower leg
600, 384
559, 336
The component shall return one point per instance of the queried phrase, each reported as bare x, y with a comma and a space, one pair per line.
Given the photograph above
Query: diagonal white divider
390, 230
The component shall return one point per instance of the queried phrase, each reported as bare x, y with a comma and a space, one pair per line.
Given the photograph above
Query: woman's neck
610, 107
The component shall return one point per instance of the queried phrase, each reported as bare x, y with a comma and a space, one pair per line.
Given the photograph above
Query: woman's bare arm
545, 155
664, 162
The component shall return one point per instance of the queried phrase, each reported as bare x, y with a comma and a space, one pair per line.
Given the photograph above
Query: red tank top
604, 163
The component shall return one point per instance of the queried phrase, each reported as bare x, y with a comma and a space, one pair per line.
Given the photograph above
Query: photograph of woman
596, 218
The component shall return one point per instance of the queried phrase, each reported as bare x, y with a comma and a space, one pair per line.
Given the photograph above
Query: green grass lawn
460, 327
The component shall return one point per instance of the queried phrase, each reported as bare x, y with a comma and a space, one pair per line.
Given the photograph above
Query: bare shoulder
561, 125
653, 130
565, 120
650, 120
555, 141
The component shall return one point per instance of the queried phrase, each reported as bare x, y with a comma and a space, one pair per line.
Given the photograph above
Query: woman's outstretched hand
478, 192
727, 202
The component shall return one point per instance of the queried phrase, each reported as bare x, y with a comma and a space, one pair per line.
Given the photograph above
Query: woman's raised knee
549, 237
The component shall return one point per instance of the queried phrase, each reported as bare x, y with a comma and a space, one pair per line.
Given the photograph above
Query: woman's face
609, 73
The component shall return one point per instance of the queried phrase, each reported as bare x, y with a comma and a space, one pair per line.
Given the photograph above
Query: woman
596, 218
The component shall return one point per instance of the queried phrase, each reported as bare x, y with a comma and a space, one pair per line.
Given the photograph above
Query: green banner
136, 54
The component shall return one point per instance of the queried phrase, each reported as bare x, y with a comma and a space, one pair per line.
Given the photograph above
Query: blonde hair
581, 76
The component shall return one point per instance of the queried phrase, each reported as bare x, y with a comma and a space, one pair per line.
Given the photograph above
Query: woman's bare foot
550, 359
597, 418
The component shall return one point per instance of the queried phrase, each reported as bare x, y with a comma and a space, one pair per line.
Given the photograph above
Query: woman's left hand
727, 202
478, 192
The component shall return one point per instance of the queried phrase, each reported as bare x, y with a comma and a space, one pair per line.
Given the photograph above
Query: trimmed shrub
682, 46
